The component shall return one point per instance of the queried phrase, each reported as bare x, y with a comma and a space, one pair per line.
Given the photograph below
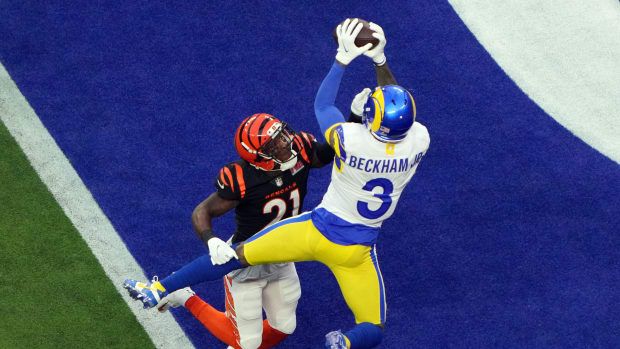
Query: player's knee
286, 323
291, 292
250, 342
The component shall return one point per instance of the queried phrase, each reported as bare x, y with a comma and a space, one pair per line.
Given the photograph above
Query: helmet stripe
378, 117
265, 126
412, 104
258, 130
243, 133
378, 94
252, 133
379, 108
239, 135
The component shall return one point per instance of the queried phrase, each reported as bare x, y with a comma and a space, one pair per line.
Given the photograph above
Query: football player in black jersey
267, 184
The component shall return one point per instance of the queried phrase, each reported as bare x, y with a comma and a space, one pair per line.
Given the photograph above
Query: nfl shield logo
279, 182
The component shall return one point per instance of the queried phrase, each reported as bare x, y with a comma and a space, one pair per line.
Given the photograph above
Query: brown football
364, 36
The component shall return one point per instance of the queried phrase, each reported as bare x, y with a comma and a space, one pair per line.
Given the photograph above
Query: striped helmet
266, 143
389, 113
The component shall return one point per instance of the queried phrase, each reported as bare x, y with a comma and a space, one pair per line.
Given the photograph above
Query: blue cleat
149, 294
335, 340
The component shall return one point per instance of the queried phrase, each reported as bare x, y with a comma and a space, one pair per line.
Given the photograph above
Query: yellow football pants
355, 266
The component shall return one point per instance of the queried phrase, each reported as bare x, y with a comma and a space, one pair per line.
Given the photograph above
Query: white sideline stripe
79, 205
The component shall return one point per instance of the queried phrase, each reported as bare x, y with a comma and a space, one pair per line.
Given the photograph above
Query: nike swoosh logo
220, 184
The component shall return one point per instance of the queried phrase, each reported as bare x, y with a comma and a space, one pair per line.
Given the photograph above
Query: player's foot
176, 299
335, 340
149, 294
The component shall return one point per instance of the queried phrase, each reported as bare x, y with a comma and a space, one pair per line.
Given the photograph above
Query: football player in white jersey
374, 162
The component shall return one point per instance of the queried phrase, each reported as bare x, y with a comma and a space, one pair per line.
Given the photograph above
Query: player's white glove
176, 299
377, 55
347, 32
220, 251
357, 106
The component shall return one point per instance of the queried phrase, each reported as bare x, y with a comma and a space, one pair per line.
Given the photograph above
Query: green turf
53, 292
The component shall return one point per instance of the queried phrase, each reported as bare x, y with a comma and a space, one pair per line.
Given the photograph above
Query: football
364, 36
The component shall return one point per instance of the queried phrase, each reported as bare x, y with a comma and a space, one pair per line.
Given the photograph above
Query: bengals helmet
266, 143
389, 113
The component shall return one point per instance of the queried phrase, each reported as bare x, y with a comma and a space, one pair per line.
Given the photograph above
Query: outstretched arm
384, 75
327, 114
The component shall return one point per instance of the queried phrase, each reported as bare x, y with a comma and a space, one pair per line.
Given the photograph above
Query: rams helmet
266, 143
389, 113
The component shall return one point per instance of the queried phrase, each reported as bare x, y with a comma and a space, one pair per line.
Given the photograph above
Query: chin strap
288, 164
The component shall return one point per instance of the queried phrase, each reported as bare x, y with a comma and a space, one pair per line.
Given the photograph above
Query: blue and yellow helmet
389, 113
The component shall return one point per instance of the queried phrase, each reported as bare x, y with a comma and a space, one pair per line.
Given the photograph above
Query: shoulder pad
230, 182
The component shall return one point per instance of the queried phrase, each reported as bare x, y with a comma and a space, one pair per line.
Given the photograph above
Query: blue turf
506, 238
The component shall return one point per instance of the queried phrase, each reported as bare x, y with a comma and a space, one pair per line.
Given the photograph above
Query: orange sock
215, 321
271, 336
221, 326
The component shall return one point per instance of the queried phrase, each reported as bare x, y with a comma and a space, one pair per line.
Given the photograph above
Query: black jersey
265, 199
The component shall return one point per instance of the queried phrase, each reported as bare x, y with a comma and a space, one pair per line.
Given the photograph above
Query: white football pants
277, 294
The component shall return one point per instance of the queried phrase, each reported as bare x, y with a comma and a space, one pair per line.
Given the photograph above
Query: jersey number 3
280, 205
388, 188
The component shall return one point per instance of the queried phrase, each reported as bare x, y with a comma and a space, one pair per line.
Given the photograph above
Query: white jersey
369, 176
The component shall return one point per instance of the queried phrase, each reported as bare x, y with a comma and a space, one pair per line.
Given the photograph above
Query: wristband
206, 235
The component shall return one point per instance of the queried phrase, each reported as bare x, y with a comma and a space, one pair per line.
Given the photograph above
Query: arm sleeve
324, 152
326, 112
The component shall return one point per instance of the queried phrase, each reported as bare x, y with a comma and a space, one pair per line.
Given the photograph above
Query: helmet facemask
279, 147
